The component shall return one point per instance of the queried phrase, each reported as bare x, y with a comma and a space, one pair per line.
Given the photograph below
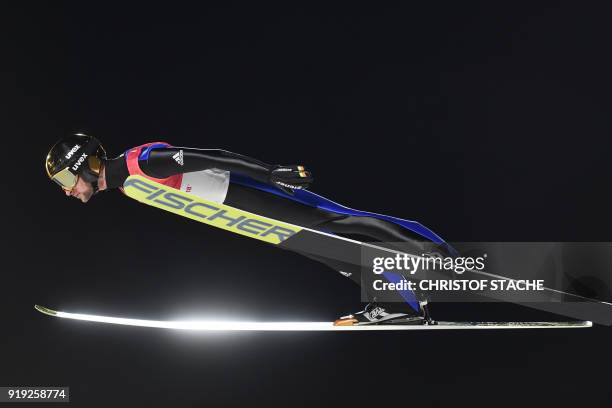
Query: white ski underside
217, 326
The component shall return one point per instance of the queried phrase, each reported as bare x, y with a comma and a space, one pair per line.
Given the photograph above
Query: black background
483, 122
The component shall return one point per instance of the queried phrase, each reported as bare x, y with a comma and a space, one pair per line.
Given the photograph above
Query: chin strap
92, 174
92, 178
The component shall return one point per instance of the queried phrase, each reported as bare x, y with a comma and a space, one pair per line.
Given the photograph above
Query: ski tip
45, 310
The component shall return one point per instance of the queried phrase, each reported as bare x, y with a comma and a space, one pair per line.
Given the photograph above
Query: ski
217, 326
324, 245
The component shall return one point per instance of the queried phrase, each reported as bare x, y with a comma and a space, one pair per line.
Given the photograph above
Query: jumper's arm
168, 161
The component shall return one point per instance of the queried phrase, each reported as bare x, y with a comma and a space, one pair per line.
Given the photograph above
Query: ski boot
378, 313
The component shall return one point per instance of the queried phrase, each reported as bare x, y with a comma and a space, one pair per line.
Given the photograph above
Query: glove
289, 178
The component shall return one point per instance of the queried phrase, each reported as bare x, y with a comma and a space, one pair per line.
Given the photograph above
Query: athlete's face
82, 190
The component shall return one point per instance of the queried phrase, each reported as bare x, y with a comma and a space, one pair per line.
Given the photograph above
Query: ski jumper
243, 183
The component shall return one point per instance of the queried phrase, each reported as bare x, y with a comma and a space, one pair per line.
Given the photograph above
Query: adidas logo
347, 274
178, 157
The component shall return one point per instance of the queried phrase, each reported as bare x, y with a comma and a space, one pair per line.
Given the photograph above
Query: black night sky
481, 121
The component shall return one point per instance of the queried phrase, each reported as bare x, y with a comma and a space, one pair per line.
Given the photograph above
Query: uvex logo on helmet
76, 165
72, 151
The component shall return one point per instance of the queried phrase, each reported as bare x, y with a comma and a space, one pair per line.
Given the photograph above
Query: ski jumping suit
244, 183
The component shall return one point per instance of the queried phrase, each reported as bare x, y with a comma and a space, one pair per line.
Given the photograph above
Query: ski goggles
65, 179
